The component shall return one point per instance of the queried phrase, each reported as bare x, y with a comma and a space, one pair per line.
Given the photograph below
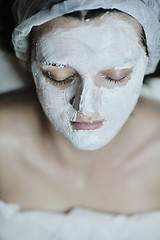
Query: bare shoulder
147, 115
19, 118
148, 112
143, 127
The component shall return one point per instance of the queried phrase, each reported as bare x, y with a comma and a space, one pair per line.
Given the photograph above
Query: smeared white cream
89, 49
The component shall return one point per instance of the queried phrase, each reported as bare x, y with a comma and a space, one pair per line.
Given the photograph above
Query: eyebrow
53, 64
60, 65
123, 65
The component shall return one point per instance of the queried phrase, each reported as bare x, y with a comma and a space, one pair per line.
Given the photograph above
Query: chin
88, 140
87, 148
87, 145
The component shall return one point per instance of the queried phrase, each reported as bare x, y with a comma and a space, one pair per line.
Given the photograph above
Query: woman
94, 148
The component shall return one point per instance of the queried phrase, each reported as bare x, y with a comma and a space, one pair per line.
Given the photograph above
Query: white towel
76, 225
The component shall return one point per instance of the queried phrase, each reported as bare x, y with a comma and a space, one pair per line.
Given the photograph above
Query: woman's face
88, 76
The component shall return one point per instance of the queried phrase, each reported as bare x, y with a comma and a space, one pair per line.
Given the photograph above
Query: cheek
118, 103
48, 95
53, 100
56, 103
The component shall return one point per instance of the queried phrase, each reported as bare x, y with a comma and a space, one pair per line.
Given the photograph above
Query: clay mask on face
103, 66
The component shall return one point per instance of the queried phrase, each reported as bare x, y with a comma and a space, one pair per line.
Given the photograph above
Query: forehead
68, 23
111, 39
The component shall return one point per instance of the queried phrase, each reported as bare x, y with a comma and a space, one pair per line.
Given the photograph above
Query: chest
130, 186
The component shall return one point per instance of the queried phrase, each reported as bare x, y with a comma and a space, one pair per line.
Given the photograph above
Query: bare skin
39, 169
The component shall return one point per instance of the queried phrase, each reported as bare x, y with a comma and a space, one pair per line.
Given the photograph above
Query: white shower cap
36, 12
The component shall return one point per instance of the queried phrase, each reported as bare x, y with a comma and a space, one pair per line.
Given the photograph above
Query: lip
86, 125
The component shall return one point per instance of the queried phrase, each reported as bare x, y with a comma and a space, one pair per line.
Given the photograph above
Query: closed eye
111, 78
56, 82
116, 80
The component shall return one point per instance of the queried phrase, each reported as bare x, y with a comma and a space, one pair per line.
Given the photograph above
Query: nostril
72, 100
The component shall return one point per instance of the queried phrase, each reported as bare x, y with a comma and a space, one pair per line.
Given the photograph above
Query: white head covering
146, 12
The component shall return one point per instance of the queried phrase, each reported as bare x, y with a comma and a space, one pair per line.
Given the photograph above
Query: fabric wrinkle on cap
146, 12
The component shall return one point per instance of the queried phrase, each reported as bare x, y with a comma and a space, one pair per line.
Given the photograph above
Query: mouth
86, 125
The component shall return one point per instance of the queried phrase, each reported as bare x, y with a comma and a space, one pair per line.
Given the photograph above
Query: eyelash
116, 80
57, 82
71, 78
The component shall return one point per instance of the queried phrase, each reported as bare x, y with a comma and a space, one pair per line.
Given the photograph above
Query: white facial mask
89, 49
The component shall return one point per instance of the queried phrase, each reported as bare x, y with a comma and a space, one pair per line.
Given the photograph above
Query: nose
86, 102
76, 99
